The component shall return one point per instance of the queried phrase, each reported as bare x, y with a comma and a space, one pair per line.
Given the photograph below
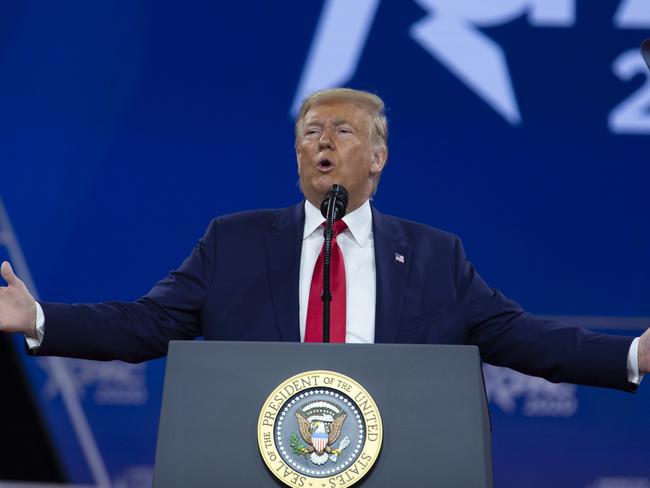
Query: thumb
8, 273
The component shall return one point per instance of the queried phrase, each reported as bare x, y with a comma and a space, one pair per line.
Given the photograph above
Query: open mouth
324, 164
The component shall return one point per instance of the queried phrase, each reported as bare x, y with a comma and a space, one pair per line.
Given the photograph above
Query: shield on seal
319, 440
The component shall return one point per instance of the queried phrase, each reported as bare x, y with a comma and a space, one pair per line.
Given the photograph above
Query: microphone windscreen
339, 196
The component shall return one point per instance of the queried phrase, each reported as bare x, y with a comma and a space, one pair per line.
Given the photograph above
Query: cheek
364, 164
304, 155
300, 158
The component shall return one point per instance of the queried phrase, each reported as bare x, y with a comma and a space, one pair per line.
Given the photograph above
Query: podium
431, 398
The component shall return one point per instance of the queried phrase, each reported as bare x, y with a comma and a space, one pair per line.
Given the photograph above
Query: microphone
645, 51
336, 201
333, 208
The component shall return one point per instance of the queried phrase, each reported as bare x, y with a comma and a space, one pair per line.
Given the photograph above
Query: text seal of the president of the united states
320, 429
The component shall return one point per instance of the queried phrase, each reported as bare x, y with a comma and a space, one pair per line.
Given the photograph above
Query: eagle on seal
320, 435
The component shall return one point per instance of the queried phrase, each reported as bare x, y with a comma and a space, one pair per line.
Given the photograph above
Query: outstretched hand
644, 352
17, 305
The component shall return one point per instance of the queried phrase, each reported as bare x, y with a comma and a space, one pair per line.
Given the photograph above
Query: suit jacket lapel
283, 248
392, 262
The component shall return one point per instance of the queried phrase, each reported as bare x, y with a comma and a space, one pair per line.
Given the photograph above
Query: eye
311, 131
344, 130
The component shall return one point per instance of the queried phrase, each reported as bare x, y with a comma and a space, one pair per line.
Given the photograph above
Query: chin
323, 186
317, 188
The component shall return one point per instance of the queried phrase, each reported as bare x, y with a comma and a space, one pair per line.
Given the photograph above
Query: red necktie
314, 327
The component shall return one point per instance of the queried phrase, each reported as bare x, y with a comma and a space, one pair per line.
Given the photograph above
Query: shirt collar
359, 221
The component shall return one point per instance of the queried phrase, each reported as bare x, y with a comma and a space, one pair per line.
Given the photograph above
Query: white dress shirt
358, 249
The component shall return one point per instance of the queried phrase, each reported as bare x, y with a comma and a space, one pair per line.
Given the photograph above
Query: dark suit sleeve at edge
508, 336
140, 330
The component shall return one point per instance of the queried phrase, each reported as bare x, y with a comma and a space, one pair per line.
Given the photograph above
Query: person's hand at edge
644, 352
17, 305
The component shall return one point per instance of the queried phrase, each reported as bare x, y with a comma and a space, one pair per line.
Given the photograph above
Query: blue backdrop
521, 125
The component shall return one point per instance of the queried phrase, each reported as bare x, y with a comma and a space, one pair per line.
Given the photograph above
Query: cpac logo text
112, 383
451, 34
538, 398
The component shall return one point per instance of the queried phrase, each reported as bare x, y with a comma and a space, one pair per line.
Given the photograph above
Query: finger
8, 273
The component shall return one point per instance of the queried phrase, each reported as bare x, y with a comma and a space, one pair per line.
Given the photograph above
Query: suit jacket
241, 284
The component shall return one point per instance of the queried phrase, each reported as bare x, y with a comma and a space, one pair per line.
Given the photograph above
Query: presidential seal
319, 429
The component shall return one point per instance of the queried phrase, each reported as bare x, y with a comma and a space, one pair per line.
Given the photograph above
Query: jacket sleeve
508, 336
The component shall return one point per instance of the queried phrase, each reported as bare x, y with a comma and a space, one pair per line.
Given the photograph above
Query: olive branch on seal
296, 446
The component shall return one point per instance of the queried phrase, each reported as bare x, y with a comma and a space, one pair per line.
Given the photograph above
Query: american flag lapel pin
399, 258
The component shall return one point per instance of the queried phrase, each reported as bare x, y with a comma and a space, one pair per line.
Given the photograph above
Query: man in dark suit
251, 277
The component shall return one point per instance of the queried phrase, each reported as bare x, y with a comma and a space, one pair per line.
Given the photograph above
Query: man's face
334, 146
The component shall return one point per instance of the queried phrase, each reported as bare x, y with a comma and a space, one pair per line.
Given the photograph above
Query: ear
380, 156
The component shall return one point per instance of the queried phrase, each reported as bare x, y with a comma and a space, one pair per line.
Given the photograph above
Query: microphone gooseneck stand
333, 208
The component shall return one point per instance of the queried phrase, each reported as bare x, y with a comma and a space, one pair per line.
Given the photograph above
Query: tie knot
337, 227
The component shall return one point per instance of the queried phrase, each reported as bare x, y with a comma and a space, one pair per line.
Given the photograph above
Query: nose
325, 141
